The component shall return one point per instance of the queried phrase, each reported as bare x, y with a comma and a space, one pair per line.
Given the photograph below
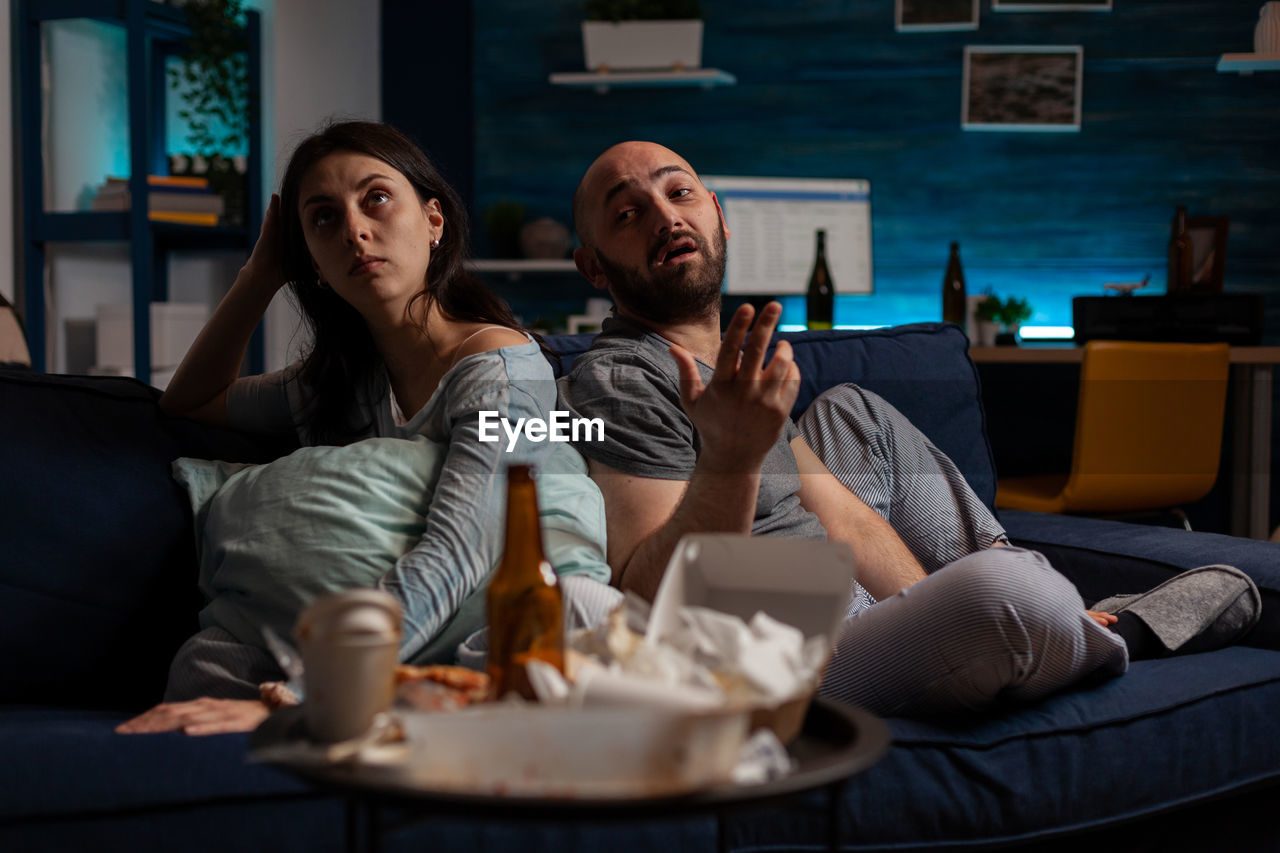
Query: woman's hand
202, 716
265, 267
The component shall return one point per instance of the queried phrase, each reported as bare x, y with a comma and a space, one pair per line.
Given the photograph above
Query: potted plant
213, 84
998, 319
634, 35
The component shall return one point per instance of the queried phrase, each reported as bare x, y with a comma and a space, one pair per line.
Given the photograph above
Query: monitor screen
773, 220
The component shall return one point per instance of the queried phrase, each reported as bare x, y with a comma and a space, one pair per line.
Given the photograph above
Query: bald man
698, 438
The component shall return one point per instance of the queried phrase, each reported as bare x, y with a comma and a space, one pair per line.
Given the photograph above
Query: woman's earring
435, 244
322, 284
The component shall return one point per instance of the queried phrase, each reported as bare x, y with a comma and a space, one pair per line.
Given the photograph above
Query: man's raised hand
740, 413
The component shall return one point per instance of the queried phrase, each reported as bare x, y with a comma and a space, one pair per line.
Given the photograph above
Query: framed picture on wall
1208, 251
1051, 5
921, 16
1028, 87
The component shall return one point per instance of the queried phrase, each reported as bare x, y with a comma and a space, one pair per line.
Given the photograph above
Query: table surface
837, 741
1069, 353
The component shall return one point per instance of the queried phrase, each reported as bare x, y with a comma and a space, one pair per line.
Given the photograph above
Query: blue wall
827, 88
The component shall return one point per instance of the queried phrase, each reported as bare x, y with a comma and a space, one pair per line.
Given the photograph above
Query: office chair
1148, 432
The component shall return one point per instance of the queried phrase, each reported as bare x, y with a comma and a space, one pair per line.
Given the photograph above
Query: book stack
184, 200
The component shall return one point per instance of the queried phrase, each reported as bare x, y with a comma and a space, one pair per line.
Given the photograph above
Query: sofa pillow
271, 538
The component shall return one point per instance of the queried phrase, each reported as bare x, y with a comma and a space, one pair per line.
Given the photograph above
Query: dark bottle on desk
526, 613
821, 295
953, 292
1179, 254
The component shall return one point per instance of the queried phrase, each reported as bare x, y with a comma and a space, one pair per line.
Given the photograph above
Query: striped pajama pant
987, 624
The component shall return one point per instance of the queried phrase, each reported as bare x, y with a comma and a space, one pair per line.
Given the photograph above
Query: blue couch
97, 590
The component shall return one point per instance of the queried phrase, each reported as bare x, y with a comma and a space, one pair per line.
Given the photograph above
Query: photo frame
1022, 88
923, 16
1051, 5
1208, 252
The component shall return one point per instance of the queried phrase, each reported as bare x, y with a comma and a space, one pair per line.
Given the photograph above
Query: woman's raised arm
198, 389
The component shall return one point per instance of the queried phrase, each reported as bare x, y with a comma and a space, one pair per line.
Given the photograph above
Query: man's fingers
690, 380
783, 362
731, 344
782, 375
758, 343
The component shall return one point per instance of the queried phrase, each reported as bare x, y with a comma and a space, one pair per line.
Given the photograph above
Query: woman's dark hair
342, 356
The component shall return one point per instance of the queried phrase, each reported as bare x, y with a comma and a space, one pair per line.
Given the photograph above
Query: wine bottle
820, 297
526, 613
953, 292
1179, 253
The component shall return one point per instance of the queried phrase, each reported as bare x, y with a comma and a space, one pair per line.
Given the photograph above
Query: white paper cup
350, 642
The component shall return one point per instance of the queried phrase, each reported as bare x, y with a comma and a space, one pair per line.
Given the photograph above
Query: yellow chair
1148, 432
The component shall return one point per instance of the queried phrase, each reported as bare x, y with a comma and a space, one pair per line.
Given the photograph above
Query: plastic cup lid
354, 614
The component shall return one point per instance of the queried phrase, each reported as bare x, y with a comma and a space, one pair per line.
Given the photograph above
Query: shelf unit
153, 32
1247, 63
602, 81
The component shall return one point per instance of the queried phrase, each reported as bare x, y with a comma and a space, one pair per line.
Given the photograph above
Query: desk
1251, 384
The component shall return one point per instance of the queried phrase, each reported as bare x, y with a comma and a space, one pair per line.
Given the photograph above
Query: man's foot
1197, 611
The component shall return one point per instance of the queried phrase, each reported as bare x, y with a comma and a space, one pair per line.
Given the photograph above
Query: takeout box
524, 750
800, 582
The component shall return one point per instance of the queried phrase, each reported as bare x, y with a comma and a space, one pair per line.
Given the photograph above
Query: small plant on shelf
213, 84
1004, 316
1006, 313
213, 81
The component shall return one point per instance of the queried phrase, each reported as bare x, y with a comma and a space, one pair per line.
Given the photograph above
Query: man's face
658, 234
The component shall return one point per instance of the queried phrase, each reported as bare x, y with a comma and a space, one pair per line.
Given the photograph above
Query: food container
523, 750
803, 583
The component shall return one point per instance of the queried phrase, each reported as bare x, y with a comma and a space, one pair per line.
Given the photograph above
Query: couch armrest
1106, 557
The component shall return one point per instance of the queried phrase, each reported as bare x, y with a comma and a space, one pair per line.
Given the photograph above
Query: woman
372, 241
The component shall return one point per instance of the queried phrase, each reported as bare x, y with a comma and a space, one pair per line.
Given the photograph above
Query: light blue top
465, 526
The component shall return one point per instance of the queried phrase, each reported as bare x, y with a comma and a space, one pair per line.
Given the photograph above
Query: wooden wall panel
827, 88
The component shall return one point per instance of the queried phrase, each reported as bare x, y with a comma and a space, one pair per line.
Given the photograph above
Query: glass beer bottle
953, 290
1179, 253
526, 620
820, 297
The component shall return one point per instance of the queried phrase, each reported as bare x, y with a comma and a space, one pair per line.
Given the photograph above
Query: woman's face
368, 233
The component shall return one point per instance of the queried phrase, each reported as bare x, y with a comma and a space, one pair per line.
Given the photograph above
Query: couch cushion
69, 782
1166, 734
97, 582
923, 369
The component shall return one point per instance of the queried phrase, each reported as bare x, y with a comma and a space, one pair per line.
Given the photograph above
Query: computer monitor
773, 221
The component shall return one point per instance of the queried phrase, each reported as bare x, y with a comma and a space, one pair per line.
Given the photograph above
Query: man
698, 438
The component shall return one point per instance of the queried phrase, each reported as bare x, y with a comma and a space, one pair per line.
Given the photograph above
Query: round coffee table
836, 742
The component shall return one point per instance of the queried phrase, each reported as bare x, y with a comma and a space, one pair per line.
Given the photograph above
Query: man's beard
671, 294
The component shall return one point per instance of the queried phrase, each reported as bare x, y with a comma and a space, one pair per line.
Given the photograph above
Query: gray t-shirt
629, 380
